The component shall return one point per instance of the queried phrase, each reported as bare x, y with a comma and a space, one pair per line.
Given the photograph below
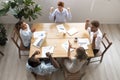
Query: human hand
51, 9
33, 29
37, 52
48, 54
68, 9
70, 45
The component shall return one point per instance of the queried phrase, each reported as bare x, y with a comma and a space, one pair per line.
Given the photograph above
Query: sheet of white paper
47, 49
38, 34
85, 46
72, 31
83, 41
61, 28
38, 42
65, 46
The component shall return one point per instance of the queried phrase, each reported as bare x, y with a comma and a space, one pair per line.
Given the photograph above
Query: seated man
95, 35
74, 64
61, 14
42, 66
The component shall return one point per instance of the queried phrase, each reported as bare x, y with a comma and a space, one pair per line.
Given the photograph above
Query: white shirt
26, 36
98, 38
42, 69
60, 17
73, 65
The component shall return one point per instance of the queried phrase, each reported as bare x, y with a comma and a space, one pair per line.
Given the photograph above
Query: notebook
72, 31
38, 34
65, 46
38, 42
47, 49
61, 28
83, 42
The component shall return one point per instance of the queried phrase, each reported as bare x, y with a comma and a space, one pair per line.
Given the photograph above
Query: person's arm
87, 23
52, 13
53, 61
69, 15
35, 53
93, 41
69, 46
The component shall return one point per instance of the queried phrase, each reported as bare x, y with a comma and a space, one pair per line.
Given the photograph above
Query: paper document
72, 31
38, 42
65, 46
38, 34
47, 49
61, 28
83, 42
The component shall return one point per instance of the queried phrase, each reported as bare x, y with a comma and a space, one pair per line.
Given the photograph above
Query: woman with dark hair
42, 66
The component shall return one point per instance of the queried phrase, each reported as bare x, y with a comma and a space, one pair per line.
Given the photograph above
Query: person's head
94, 25
17, 27
81, 54
60, 6
34, 62
22, 24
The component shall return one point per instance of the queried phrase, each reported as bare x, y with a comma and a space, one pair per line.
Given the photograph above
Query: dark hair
95, 23
81, 54
33, 62
61, 4
20, 22
18, 25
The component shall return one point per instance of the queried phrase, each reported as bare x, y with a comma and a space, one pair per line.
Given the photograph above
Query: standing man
61, 14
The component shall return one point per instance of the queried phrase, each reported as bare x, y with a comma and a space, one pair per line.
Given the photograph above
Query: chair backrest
16, 38
106, 43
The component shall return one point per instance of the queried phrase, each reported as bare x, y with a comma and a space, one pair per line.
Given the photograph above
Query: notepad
38, 34
61, 28
65, 46
38, 42
83, 42
72, 31
47, 49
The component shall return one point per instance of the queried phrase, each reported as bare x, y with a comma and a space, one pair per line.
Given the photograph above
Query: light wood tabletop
55, 39
52, 31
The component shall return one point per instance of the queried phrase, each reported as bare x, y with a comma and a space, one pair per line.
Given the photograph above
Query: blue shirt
42, 69
60, 17
26, 36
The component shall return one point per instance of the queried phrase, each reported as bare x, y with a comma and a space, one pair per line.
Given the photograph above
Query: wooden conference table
56, 39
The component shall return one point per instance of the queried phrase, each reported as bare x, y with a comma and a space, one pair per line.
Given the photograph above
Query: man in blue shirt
42, 66
60, 14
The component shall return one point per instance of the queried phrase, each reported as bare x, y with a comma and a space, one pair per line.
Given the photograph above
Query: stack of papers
65, 45
38, 42
47, 49
72, 31
38, 34
83, 42
61, 28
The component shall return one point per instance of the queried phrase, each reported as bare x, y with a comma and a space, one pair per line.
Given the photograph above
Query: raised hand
48, 54
51, 9
68, 9
37, 52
